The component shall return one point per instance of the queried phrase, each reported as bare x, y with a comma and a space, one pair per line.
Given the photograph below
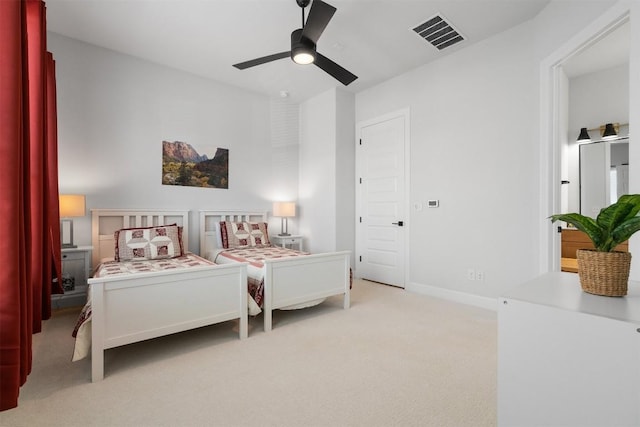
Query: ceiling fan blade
263, 60
319, 16
343, 76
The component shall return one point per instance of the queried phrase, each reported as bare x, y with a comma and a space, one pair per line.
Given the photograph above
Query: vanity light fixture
584, 136
606, 132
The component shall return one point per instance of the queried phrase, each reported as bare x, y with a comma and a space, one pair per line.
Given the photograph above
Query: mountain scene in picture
182, 164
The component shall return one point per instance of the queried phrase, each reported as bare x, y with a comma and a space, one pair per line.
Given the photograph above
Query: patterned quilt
111, 268
256, 256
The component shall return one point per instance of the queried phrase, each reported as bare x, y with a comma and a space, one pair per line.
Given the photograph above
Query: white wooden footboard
132, 309
291, 281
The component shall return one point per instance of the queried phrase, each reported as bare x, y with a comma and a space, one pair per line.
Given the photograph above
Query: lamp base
66, 234
284, 227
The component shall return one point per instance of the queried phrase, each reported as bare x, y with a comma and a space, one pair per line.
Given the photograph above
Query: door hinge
360, 258
360, 219
360, 180
360, 141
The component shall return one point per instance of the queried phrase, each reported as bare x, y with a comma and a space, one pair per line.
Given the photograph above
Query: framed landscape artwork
183, 164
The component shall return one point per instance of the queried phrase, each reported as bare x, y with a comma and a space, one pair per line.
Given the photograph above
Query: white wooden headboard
104, 223
209, 236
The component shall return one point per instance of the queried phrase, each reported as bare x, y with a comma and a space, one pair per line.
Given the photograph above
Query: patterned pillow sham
142, 243
244, 234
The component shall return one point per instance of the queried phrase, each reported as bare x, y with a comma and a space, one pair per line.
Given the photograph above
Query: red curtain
30, 245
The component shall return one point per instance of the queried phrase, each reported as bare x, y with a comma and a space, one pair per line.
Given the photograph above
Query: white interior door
381, 223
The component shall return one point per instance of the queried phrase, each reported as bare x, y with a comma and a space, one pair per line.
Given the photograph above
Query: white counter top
562, 290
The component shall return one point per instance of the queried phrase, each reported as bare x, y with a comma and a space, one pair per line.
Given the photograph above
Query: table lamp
284, 210
71, 205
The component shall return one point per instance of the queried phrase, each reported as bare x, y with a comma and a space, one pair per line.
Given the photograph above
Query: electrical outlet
480, 275
471, 274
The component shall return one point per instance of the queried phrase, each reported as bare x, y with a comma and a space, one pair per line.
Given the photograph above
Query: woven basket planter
604, 273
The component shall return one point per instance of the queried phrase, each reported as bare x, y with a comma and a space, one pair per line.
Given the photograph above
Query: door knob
399, 223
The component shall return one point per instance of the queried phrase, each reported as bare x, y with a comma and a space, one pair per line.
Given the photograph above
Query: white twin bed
290, 282
127, 308
149, 303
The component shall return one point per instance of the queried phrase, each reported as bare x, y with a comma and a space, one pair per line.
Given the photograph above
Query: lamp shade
584, 135
609, 131
284, 209
72, 205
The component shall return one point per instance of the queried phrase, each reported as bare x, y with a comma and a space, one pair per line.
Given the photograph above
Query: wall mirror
603, 175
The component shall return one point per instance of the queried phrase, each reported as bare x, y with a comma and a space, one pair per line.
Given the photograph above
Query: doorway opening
555, 127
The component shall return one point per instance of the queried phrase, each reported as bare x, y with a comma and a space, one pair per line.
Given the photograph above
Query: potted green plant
603, 270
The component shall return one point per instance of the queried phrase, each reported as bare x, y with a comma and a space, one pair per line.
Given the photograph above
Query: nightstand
286, 241
76, 269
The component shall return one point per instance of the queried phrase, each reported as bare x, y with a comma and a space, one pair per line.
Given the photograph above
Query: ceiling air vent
438, 32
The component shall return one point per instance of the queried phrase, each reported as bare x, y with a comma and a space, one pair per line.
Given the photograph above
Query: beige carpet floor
394, 358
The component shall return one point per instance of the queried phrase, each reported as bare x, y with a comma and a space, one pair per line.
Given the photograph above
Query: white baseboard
456, 296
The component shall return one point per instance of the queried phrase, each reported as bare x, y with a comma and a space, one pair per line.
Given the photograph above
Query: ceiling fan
303, 43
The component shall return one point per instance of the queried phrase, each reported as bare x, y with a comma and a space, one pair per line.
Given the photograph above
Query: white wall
327, 167
318, 172
345, 172
114, 111
561, 20
472, 148
598, 98
285, 134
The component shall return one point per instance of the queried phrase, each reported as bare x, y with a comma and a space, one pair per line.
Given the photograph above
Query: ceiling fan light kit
303, 57
303, 44
303, 50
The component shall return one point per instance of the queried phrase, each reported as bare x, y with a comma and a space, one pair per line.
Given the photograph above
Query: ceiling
372, 39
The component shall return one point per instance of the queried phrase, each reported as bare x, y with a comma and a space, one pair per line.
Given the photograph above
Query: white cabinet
76, 269
568, 358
